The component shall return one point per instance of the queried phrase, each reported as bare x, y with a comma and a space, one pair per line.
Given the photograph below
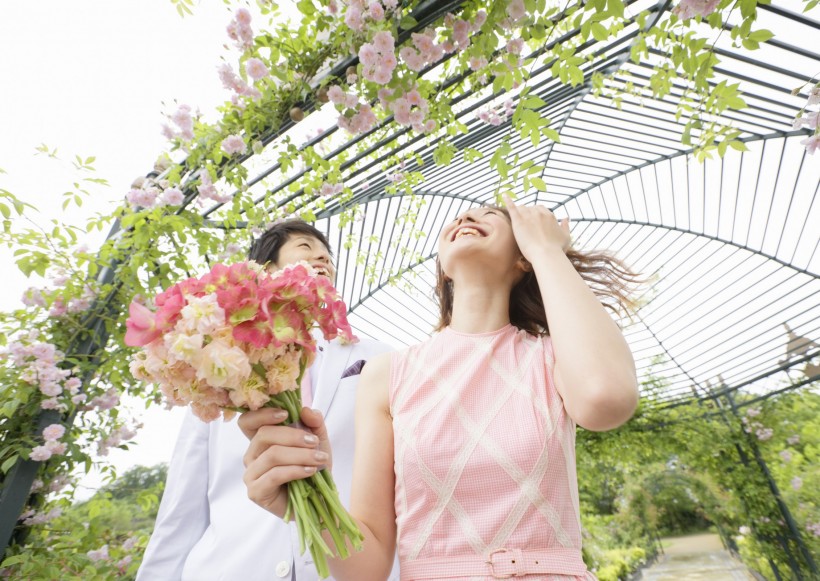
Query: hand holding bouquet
238, 339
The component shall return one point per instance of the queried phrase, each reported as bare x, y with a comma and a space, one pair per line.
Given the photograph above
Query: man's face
304, 247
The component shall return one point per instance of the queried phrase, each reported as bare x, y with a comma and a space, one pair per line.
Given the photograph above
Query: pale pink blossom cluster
425, 50
256, 69
183, 119
239, 29
764, 434
810, 120
516, 10
813, 528
33, 297
108, 400
100, 554
39, 365
355, 117
235, 337
687, 9
328, 189
378, 58
409, 109
358, 12
31, 517
797, 483
234, 144
207, 190
811, 143
744, 530
515, 46
460, 31
155, 195
497, 115
793, 440
785, 455
52, 445
115, 438
231, 250
233, 82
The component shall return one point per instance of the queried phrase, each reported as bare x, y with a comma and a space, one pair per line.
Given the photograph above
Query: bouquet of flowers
239, 338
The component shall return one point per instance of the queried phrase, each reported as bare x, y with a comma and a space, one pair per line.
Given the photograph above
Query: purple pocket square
354, 369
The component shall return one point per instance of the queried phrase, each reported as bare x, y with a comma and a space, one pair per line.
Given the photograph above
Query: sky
92, 78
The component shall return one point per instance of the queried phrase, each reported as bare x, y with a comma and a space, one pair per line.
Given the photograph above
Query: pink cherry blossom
336, 95
53, 432
384, 42
353, 18
461, 34
516, 10
234, 144
764, 434
172, 197
33, 297
811, 143
477, 63
100, 554
376, 11
687, 9
40, 454
256, 69
814, 95
56, 448
515, 46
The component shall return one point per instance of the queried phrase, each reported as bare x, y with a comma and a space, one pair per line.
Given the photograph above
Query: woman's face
479, 238
309, 249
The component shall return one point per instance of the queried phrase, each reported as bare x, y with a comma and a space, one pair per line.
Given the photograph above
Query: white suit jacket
208, 530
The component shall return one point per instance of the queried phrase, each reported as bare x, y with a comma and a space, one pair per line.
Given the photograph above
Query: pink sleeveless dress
484, 461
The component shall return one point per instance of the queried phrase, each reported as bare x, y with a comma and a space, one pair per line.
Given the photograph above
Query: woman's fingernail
320, 456
310, 469
311, 439
281, 414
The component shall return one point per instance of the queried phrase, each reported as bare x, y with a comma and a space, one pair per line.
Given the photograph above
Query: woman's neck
480, 309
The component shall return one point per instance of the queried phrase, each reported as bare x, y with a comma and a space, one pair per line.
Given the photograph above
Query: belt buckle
492, 564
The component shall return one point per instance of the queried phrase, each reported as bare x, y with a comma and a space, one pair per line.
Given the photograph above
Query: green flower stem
329, 524
331, 498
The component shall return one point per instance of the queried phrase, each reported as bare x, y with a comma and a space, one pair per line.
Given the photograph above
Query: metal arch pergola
730, 245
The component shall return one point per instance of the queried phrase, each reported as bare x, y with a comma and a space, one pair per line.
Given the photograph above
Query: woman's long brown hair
608, 277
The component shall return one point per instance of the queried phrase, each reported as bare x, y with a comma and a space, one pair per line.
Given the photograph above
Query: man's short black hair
265, 249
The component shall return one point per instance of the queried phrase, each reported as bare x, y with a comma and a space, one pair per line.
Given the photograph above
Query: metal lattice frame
730, 244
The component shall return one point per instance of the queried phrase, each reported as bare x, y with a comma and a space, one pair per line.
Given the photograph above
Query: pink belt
499, 564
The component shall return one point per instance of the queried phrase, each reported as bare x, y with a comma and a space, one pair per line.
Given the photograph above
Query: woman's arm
594, 368
372, 492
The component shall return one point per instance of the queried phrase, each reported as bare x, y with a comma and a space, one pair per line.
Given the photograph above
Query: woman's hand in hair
536, 229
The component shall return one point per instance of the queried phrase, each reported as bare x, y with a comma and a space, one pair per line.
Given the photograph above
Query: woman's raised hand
536, 229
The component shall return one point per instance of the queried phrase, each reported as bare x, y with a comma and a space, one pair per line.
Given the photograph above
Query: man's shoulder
364, 348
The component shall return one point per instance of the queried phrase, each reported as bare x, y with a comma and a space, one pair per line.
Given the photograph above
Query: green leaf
7, 465
761, 35
538, 184
599, 32
408, 22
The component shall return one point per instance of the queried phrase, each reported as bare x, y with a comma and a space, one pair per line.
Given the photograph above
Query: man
207, 528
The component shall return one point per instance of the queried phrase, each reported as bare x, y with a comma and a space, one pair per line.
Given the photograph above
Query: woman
465, 443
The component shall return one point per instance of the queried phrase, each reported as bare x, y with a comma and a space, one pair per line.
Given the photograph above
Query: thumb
314, 420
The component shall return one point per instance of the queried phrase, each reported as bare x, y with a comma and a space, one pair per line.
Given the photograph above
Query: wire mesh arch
730, 244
